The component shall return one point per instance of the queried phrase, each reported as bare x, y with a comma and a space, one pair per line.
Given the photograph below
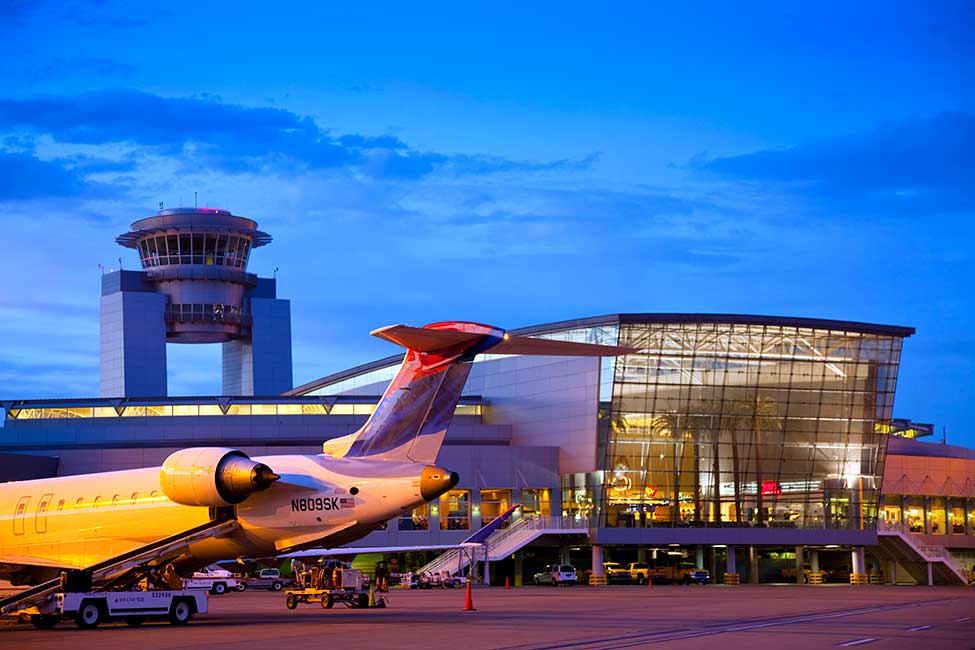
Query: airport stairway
504, 542
916, 557
115, 570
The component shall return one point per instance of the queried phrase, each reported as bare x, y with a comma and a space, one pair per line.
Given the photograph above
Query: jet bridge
125, 569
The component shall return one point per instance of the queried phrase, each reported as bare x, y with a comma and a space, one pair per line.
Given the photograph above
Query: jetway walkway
505, 541
927, 564
126, 568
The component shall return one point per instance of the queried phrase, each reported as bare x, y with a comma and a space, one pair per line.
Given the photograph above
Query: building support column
699, 556
565, 554
904, 527
713, 560
597, 560
641, 554
927, 518
930, 575
800, 561
814, 560
752, 565
519, 569
968, 516
892, 571
487, 569
731, 563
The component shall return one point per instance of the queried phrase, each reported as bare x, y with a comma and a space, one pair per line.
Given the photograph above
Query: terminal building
760, 448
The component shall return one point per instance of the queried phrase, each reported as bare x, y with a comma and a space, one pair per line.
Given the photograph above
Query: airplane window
134, 498
97, 502
116, 499
79, 502
60, 505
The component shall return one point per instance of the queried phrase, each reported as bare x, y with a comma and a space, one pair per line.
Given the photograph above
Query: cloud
24, 176
919, 166
211, 134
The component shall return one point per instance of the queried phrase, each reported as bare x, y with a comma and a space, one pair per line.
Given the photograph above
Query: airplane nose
434, 481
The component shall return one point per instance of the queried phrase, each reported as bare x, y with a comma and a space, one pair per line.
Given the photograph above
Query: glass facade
195, 248
724, 424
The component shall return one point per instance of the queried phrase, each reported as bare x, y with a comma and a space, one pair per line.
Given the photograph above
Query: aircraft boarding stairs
927, 564
125, 569
505, 541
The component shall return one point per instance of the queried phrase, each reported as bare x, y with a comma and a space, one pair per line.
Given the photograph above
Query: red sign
771, 487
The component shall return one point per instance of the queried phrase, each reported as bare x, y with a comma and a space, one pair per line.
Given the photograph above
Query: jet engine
213, 476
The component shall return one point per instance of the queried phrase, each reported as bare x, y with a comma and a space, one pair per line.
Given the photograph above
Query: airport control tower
194, 288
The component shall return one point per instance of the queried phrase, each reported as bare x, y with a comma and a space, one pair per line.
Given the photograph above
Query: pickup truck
615, 572
684, 572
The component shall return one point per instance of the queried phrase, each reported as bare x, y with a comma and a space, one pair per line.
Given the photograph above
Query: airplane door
19, 515
40, 519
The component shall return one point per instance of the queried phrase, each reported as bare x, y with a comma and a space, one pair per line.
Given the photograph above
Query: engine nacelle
213, 476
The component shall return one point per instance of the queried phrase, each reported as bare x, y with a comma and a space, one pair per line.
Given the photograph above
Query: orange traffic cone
649, 581
385, 586
507, 583
469, 601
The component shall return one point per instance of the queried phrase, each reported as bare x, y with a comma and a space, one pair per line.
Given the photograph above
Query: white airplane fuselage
77, 521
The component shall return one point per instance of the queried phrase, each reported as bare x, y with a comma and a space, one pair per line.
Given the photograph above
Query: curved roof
209, 220
623, 319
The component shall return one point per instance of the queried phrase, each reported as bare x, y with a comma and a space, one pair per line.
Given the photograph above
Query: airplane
224, 504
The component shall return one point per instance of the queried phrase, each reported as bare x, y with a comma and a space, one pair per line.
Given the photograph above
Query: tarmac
561, 618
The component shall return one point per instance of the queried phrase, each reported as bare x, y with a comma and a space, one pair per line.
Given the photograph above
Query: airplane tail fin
411, 419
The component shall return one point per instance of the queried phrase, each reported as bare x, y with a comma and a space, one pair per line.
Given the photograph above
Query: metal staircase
927, 564
115, 570
505, 541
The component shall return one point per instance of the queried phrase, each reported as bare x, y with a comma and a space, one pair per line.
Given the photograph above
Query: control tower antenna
194, 200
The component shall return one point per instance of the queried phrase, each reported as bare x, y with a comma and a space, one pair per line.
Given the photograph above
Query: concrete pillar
597, 560
799, 563
814, 560
519, 569
904, 528
699, 557
752, 565
892, 572
949, 529
968, 516
930, 575
641, 554
927, 519
858, 564
487, 570
565, 554
713, 566
731, 565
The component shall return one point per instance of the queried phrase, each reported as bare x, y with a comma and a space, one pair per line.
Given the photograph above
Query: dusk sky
513, 164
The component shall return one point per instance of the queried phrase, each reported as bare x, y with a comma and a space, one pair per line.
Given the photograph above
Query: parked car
556, 574
267, 579
615, 572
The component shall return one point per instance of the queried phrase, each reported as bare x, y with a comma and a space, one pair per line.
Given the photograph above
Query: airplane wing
360, 550
477, 539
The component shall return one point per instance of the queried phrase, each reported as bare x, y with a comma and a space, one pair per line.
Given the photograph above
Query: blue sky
503, 163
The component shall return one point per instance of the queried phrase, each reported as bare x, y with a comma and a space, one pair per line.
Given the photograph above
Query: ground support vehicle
358, 598
329, 584
216, 581
90, 609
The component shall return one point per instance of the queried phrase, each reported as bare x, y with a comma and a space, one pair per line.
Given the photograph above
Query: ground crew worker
171, 578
